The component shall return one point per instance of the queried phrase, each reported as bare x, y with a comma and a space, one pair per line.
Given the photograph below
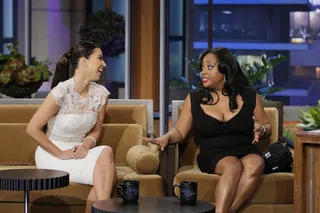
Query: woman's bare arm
184, 124
260, 116
46, 111
96, 130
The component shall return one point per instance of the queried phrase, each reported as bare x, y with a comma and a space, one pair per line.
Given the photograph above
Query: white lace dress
68, 128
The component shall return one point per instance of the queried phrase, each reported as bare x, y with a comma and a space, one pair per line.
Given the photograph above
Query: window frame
13, 39
182, 38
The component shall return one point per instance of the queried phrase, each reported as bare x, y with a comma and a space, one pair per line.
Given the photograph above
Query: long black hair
69, 61
235, 80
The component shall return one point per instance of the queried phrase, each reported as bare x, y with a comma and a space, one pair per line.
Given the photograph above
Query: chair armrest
167, 168
289, 142
143, 160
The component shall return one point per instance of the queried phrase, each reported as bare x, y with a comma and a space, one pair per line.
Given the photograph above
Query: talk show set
159, 106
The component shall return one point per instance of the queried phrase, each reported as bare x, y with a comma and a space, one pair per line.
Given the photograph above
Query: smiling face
211, 77
94, 65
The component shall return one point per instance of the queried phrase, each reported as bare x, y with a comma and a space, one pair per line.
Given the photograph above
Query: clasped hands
77, 152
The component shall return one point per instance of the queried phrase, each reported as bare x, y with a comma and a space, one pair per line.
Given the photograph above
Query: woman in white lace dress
73, 112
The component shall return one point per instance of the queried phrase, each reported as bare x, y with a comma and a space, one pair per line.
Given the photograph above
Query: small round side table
151, 205
31, 180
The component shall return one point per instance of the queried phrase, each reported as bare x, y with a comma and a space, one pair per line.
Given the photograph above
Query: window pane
5, 49
177, 90
315, 21
315, 2
200, 23
175, 59
239, 23
176, 16
7, 18
232, 23
299, 19
97, 5
305, 25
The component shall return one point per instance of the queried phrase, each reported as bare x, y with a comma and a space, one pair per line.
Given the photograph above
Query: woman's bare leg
253, 167
91, 199
230, 169
104, 174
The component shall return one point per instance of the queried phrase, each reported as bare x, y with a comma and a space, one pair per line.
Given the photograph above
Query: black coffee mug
188, 192
128, 190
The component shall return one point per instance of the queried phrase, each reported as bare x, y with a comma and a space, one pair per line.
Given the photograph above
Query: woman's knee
107, 153
253, 165
230, 165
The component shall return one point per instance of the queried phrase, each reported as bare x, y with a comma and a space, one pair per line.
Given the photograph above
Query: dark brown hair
69, 61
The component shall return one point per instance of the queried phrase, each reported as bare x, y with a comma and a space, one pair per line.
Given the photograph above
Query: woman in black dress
224, 113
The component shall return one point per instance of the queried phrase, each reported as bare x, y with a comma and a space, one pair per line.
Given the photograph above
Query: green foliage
288, 133
14, 71
183, 83
256, 72
194, 65
311, 118
106, 29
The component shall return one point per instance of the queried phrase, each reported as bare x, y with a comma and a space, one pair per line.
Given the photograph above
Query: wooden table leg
298, 175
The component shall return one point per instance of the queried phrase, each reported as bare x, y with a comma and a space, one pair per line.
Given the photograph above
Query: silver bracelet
94, 140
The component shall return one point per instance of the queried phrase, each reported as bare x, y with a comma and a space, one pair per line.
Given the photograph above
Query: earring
85, 65
224, 78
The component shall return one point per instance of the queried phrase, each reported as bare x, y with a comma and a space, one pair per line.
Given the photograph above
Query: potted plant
257, 72
106, 29
19, 80
310, 119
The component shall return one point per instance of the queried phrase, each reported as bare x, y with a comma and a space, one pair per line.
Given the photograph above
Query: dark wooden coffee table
31, 180
151, 205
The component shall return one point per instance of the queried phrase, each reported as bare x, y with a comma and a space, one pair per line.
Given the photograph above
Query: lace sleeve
59, 92
104, 94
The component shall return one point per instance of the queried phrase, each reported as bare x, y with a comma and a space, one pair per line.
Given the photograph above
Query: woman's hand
259, 130
161, 141
80, 151
66, 154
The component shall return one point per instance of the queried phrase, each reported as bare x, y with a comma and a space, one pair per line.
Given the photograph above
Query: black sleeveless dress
219, 139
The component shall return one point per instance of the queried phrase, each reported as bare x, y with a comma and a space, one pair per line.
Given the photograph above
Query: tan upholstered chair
274, 193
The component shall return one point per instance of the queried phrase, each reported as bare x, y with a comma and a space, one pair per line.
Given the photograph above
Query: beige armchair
274, 193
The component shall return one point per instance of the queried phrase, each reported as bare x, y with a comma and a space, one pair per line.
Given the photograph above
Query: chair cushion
276, 188
143, 160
